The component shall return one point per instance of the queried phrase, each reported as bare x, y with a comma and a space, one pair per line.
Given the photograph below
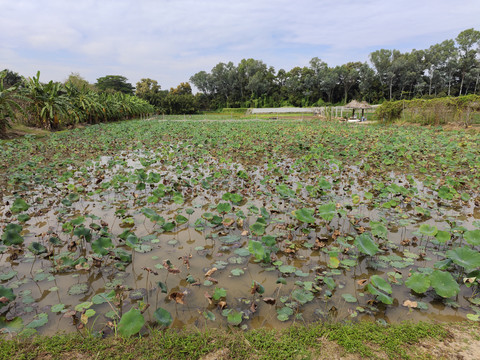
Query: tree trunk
461, 84
476, 83
391, 86
430, 85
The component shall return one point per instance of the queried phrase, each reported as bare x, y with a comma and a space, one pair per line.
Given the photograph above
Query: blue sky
170, 40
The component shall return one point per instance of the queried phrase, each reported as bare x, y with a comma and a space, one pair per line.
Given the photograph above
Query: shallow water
109, 197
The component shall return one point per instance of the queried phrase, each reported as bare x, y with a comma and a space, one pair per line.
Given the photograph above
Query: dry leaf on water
362, 282
269, 300
210, 272
170, 268
410, 304
177, 297
208, 297
222, 304
228, 222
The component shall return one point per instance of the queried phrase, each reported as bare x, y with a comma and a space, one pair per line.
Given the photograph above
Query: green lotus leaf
287, 269
418, 282
78, 289
302, 296
36, 248
219, 293
256, 249
284, 313
19, 205
163, 317
366, 245
378, 229
13, 326
428, 230
465, 257
180, 219
234, 318
381, 284
101, 245
257, 229
209, 315
384, 298
224, 207
327, 211
444, 284
131, 323
39, 320
443, 236
472, 237
6, 293
349, 298
285, 191
304, 215
11, 235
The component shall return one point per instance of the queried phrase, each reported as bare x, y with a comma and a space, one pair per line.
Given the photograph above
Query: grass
327, 340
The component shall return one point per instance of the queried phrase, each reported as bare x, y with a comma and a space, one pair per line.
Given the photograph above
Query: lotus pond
117, 227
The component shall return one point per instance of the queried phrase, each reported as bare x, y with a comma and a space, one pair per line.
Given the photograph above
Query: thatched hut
354, 105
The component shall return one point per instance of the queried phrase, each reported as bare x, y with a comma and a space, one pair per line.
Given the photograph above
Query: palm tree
9, 98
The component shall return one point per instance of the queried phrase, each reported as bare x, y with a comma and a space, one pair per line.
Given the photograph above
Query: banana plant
9, 104
50, 104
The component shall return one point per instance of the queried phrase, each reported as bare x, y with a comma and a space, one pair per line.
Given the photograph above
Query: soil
462, 343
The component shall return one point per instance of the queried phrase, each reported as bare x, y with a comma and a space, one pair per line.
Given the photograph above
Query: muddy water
110, 195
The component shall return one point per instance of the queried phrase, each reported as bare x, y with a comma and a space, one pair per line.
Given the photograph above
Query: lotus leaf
418, 282
472, 237
304, 215
444, 284
131, 323
366, 245
327, 211
19, 205
465, 257
234, 318
163, 317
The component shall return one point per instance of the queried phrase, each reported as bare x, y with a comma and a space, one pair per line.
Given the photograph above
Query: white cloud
171, 40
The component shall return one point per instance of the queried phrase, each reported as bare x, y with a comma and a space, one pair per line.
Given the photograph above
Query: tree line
451, 68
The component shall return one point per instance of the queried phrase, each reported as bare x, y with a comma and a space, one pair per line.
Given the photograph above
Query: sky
171, 40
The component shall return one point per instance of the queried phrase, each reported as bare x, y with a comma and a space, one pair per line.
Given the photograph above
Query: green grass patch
297, 342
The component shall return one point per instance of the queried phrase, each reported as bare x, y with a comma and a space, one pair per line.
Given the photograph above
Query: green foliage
131, 322
163, 317
234, 110
437, 111
396, 341
444, 284
366, 245
9, 102
116, 83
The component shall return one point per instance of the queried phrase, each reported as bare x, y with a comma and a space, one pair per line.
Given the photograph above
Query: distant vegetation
451, 68
53, 105
439, 111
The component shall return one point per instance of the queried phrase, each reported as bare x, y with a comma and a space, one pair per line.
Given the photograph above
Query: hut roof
354, 104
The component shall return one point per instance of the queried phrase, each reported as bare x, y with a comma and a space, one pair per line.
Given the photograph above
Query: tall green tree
469, 48
115, 83
349, 75
11, 78
149, 90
